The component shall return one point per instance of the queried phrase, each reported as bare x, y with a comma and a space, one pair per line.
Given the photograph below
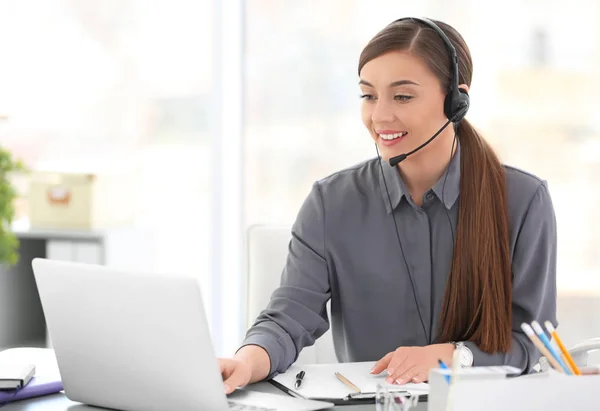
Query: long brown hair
478, 297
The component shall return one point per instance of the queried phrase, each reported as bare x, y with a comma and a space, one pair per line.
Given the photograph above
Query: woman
447, 250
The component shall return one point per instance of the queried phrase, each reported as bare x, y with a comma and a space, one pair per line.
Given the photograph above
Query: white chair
267, 254
579, 352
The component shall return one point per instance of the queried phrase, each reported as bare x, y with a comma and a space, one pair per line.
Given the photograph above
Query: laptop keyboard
235, 406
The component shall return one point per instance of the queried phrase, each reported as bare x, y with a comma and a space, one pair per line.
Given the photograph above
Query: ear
464, 87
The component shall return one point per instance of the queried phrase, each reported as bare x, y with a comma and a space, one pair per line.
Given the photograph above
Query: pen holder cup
439, 387
539, 391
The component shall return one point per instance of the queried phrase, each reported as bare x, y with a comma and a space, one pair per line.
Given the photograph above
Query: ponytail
478, 298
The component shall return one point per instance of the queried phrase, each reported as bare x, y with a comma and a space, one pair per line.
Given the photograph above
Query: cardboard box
81, 200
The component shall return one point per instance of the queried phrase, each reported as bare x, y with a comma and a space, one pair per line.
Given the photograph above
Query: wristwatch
465, 356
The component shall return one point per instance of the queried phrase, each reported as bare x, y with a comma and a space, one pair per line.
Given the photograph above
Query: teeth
392, 136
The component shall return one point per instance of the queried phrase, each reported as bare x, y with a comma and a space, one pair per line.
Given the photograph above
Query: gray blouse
344, 249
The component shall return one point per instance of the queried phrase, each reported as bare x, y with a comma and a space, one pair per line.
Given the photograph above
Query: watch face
466, 358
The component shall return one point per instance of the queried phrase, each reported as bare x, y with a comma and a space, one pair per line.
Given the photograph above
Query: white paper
320, 380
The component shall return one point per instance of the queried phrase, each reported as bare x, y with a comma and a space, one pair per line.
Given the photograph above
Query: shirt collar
452, 188
397, 188
395, 185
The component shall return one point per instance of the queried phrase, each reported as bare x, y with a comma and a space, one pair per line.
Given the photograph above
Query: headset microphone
397, 159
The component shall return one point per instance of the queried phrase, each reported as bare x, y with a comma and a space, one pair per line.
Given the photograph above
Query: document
320, 382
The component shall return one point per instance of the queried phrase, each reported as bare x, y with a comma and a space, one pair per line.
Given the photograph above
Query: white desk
59, 402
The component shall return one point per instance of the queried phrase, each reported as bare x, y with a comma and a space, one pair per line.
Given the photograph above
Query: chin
387, 153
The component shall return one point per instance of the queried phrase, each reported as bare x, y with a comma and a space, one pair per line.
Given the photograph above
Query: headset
456, 105
457, 101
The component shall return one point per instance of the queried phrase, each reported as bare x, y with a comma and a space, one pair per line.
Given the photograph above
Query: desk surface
59, 402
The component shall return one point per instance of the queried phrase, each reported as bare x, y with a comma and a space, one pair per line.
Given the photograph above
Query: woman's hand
236, 373
250, 364
412, 364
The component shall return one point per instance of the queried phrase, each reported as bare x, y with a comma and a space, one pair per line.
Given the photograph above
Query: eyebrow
392, 84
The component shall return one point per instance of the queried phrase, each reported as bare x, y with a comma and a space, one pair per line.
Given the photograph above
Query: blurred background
220, 115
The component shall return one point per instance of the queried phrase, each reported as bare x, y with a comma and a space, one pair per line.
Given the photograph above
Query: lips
392, 136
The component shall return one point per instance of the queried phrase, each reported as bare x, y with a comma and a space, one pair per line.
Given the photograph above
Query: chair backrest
267, 255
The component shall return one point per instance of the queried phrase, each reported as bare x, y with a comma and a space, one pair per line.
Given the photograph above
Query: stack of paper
320, 381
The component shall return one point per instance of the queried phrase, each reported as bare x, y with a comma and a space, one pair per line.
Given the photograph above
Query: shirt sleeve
534, 283
296, 314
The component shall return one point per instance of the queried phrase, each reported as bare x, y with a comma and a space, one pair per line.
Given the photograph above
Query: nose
383, 112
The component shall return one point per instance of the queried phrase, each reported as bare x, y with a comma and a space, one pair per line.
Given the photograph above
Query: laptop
138, 341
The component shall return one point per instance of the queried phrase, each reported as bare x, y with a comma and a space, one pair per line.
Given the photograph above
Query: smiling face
403, 105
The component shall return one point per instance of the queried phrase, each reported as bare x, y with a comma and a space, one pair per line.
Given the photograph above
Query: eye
402, 98
367, 97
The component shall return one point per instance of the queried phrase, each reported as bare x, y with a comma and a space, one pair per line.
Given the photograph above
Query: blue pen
540, 332
443, 366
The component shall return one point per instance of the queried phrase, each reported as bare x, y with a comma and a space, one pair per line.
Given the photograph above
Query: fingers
402, 374
420, 377
414, 374
382, 364
227, 366
397, 360
411, 364
233, 375
235, 380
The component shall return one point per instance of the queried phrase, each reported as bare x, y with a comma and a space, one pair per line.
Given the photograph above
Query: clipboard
350, 399
320, 383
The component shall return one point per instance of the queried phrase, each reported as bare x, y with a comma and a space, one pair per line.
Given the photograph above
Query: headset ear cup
463, 105
456, 105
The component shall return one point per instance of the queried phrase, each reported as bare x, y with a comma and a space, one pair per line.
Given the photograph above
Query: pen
538, 330
562, 347
540, 346
299, 378
347, 382
443, 366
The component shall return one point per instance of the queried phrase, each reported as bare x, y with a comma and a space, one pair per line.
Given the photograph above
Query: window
533, 97
109, 85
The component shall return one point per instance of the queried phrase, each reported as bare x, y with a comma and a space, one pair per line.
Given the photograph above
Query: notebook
320, 382
46, 379
15, 375
37, 387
